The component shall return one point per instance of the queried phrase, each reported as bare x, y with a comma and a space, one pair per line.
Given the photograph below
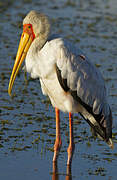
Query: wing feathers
63, 82
85, 84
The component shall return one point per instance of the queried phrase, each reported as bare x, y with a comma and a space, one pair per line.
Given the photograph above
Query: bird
67, 77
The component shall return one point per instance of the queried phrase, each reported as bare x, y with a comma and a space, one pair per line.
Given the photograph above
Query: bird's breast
40, 63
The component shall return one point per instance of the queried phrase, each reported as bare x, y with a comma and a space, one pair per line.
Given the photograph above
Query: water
27, 121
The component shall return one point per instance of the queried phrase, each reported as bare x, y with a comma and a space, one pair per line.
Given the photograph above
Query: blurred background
27, 120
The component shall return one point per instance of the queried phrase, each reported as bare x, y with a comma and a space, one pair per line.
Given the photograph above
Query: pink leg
71, 147
58, 141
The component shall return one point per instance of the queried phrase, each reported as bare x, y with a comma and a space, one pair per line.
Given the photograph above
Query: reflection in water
69, 173
55, 174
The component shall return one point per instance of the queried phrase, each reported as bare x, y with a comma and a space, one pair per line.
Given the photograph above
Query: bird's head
34, 25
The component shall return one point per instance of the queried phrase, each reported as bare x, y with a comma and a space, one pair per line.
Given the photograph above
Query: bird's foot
70, 152
57, 147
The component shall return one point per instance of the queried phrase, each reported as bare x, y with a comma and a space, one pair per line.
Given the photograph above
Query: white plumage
43, 66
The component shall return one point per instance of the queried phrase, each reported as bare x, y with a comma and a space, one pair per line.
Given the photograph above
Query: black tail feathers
102, 125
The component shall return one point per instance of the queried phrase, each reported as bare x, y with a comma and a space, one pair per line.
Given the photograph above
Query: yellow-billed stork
71, 81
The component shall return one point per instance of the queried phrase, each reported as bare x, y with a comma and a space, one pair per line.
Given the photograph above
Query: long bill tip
11, 83
9, 91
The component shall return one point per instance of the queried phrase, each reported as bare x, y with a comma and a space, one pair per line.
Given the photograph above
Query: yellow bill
24, 45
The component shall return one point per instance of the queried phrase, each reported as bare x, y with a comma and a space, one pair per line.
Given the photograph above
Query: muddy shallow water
27, 120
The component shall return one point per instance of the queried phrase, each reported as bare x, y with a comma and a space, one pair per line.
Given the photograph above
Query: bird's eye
29, 27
